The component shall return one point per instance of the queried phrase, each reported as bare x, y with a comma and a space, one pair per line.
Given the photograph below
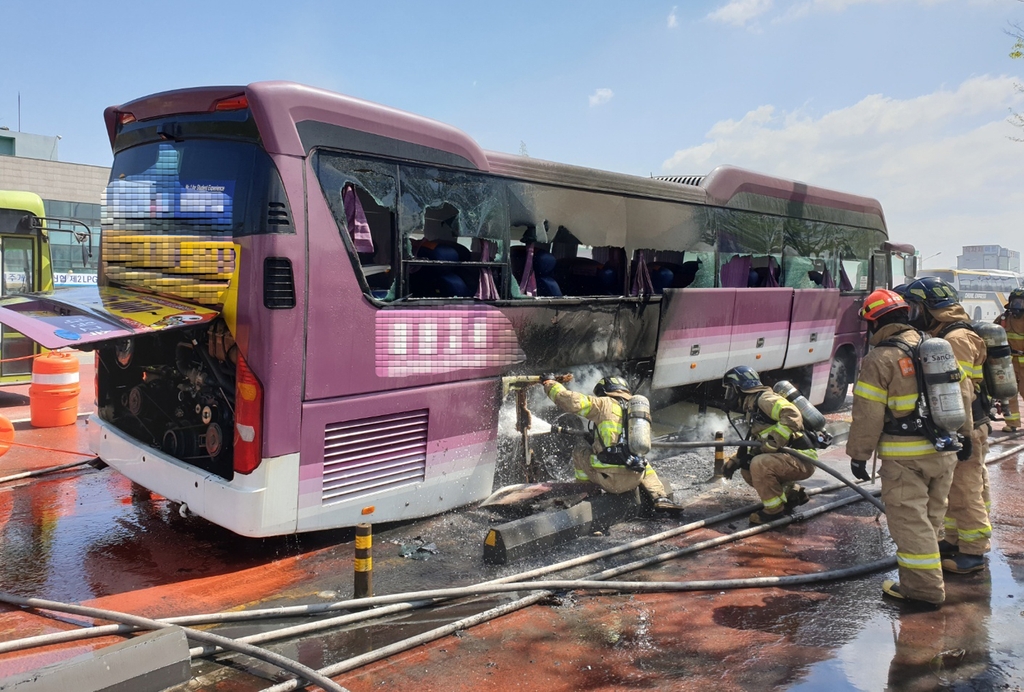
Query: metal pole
364, 561
719, 455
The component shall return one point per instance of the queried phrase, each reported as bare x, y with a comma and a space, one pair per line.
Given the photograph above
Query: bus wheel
838, 385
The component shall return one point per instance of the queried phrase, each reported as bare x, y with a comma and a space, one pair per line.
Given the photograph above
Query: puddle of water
973, 642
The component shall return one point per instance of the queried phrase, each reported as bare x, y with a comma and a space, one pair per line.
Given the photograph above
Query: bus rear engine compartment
175, 392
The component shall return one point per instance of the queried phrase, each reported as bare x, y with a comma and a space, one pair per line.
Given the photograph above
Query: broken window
454, 231
811, 257
363, 196
750, 249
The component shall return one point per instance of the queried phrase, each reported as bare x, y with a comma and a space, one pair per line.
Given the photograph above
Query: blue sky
902, 100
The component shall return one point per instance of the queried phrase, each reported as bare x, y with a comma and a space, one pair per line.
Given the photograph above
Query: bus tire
838, 386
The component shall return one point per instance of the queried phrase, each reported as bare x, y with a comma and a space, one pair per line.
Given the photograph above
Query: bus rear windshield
172, 210
202, 187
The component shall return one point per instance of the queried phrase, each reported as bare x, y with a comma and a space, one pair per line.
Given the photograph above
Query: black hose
787, 450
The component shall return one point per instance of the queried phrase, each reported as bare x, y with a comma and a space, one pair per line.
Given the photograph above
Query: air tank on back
1000, 380
639, 425
942, 375
813, 420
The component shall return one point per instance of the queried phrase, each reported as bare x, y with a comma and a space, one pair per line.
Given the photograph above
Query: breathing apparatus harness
800, 441
919, 423
619, 453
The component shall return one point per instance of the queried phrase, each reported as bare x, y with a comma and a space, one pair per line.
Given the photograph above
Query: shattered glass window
442, 205
811, 256
371, 188
378, 178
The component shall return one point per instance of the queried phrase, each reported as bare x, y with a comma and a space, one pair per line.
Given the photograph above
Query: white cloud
601, 96
739, 12
673, 21
941, 164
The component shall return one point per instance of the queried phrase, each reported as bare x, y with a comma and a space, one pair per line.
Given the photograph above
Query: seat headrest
543, 263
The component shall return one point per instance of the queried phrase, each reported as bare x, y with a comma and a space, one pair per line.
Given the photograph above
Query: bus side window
370, 228
750, 247
363, 197
454, 228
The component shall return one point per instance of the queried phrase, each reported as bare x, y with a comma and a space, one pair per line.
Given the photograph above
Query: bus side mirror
910, 266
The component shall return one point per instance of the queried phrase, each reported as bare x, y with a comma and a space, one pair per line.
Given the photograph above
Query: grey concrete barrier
146, 663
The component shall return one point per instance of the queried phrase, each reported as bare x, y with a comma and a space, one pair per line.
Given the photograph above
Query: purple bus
307, 301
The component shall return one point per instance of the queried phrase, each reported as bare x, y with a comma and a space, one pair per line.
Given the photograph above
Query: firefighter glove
966, 449
859, 469
548, 377
731, 465
769, 444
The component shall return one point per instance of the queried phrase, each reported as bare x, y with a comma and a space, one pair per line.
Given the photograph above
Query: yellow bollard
364, 561
719, 454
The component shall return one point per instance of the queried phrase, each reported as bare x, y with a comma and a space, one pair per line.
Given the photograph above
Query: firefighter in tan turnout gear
1013, 322
915, 476
935, 307
607, 462
776, 423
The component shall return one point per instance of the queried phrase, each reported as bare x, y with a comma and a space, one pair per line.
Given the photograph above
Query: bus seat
443, 282
661, 277
544, 266
583, 276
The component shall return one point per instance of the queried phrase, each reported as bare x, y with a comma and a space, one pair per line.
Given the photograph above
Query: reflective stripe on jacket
605, 412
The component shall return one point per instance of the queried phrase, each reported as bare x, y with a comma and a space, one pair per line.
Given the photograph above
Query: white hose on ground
633, 587
294, 667
469, 591
363, 603
50, 469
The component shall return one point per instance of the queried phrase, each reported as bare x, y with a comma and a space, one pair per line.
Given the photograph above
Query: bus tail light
125, 118
248, 450
232, 103
96, 379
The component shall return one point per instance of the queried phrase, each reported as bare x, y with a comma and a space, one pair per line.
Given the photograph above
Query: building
988, 257
70, 190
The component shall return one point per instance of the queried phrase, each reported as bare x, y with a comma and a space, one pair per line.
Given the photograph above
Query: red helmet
880, 302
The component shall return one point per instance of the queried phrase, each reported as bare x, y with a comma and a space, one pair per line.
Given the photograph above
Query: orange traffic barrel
53, 394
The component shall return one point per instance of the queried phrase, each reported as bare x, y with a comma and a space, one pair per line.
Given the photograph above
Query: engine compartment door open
81, 316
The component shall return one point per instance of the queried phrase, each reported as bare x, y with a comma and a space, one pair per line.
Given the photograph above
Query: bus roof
281, 108
22, 201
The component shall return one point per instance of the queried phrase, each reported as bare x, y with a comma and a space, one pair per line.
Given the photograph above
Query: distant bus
25, 263
983, 292
307, 301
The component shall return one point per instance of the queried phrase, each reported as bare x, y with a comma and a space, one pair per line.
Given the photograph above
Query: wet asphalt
90, 536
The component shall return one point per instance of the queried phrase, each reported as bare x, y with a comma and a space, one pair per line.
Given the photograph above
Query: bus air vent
694, 180
277, 214
278, 283
370, 455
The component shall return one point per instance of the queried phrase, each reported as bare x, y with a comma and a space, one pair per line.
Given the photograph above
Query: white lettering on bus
428, 339
398, 338
454, 335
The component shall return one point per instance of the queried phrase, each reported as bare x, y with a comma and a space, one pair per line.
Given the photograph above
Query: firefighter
607, 462
967, 529
1013, 322
777, 423
915, 477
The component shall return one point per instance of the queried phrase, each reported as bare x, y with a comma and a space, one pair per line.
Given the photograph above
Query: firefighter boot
761, 517
947, 549
961, 563
891, 588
